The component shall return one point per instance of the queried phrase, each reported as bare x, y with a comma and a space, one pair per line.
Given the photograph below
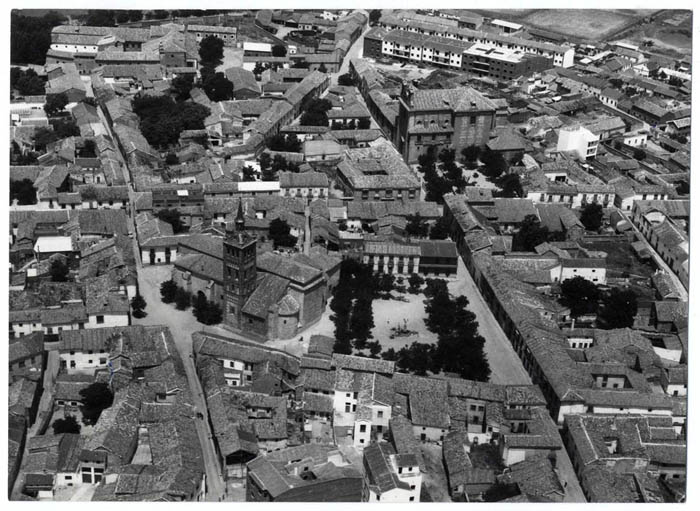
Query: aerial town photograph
349, 255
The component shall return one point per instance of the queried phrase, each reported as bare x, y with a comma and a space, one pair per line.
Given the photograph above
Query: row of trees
352, 308
460, 348
206, 311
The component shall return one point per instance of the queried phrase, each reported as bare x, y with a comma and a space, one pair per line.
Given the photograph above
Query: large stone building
268, 295
442, 119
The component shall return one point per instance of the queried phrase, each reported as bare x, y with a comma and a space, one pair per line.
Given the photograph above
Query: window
380, 414
100, 320
412, 499
363, 428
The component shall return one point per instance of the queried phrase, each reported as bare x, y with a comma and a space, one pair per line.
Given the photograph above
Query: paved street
182, 325
355, 51
505, 364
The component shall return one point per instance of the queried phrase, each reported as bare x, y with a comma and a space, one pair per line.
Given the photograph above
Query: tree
390, 354
206, 311
137, 305
122, 16
416, 226
592, 216
43, 137
160, 14
639, 154
135, 15
315, 113
64, 128
494, 163
95, 397
100, 18
416, 358
27, 83
618, 309
249, 173
171, 216
162, 119
415, 281
216, 86
30, 36
171, 159
374, 16
23, 192
181, 86
279, 233
168, 290
440, 229
211, 50
279, 50
183, 299
266, 166
364, 123
375, 348
346, 80
580, 295
530, 234
510, 186
471, 153
59, 270
259, 69
66, 425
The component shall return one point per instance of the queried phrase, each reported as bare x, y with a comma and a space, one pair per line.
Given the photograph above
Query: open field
670, 33
591, 24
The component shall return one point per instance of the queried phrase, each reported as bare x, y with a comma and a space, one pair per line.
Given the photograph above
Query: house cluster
99, 279
278, 421
144, 446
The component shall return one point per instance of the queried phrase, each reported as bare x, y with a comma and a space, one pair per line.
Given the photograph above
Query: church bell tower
240, 269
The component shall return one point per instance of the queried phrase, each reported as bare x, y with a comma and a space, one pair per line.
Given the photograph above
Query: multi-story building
562, 56
388, 476
377, 173
442, 118
578, 140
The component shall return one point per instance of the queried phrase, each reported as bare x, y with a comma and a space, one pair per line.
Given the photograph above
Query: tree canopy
30, 36
592, 216
530, 234
23, 191
618, 309
211, 51
416, 226
59, 270
279, 50
162, 120
580, 295
55, 103
280, 233
216, 86
66, 425
26, 82
315, 113
96, 397
171, 216
181, 86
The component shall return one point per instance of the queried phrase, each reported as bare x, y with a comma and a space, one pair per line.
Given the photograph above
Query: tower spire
240, 219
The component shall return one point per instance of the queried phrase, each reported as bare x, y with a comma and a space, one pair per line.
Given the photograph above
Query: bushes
137, 306
183, 299
168, 289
